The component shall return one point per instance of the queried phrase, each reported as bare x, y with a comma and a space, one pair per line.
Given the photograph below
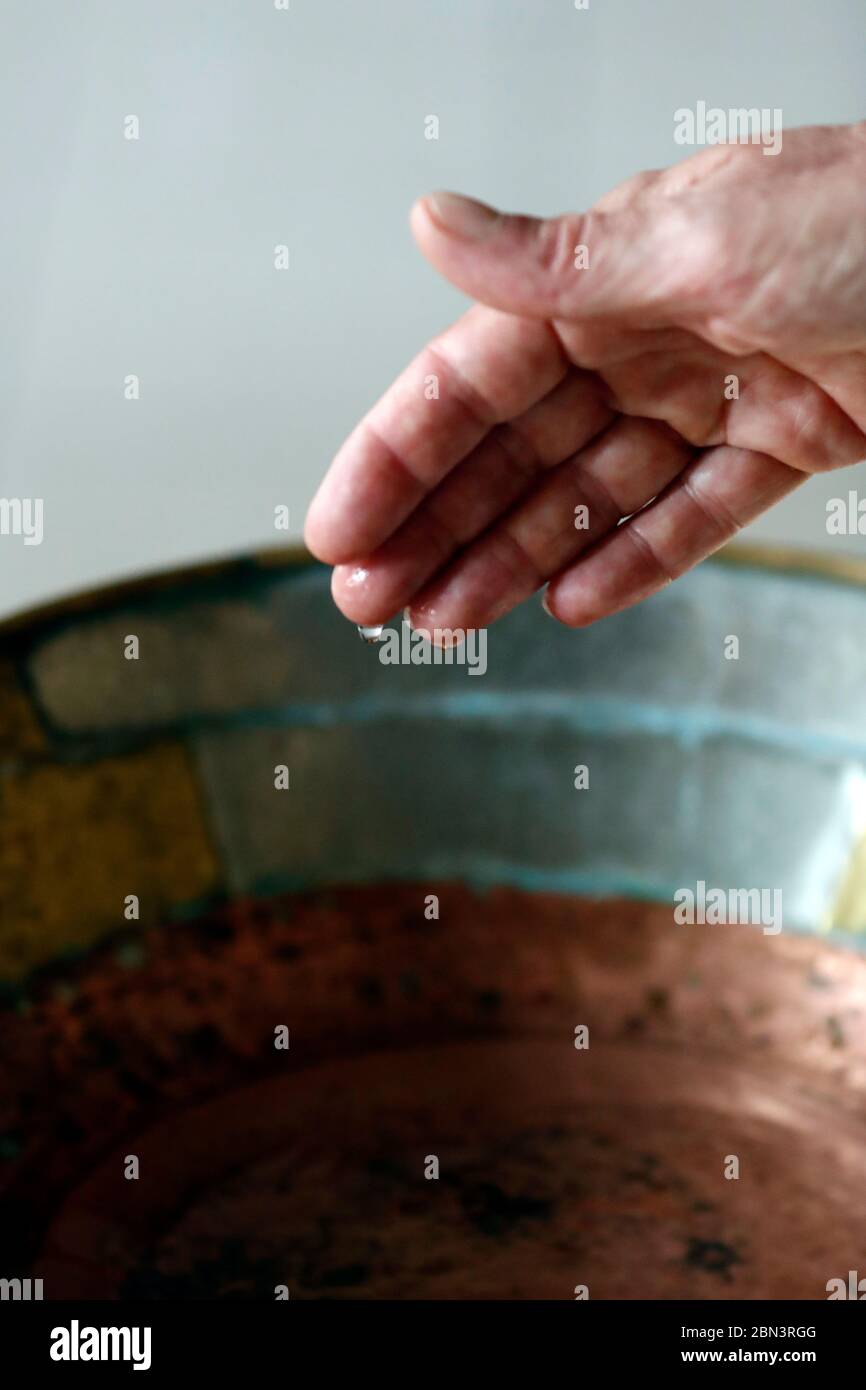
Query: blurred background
304, 127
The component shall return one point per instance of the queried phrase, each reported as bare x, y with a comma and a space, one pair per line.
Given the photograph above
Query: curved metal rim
154, 583
849, 910
780, 559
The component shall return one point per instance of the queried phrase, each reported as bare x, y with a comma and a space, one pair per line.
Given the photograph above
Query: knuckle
810, 422
558, 239
699, 243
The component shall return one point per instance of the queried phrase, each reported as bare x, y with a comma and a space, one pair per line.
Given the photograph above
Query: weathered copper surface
455, 1038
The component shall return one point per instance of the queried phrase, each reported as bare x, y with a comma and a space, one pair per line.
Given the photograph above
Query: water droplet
371, 634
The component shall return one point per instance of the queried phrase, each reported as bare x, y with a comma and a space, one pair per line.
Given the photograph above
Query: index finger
486, 368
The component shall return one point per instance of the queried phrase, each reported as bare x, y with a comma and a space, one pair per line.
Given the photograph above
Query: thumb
583, 265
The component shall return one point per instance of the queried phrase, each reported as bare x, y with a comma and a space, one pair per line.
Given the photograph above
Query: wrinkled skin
605, 388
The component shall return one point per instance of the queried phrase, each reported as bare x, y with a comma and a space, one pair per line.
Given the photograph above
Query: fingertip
312, 540
570, 612
422, 223
364, 592
330, 533
327, 550
419, 212
443, 637
319, 539
354, 593
454, 214
417, 216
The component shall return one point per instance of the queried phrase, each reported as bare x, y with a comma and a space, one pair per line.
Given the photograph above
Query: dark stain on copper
658, 999
646, 1172
288, 952
714, 1256
370, 990
496, 1213
489, 1000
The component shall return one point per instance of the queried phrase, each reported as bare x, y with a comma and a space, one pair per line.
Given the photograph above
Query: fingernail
545, 603
461, 216
437, 637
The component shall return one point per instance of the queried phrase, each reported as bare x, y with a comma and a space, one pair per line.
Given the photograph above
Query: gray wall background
306, 127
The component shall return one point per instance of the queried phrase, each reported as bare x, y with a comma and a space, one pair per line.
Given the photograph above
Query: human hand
609, 388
